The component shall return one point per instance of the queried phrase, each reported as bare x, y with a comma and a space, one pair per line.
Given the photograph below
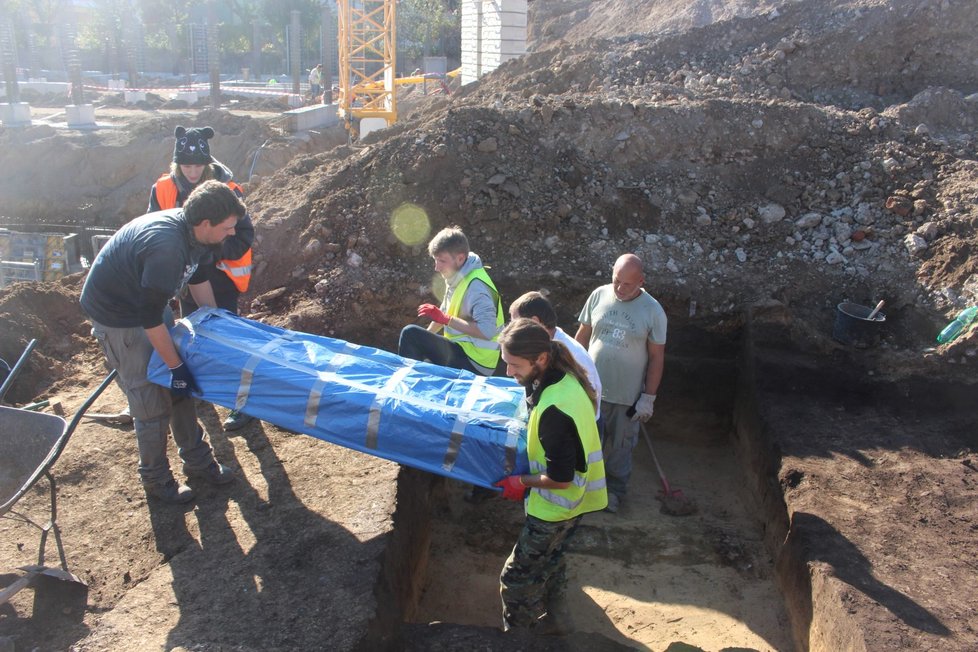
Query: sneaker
614, 502
236, 420
170, 492
214, 473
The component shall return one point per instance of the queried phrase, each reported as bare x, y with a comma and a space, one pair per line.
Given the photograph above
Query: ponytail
527, 339
563, 360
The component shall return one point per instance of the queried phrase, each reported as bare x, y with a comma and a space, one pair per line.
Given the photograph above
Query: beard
532, 378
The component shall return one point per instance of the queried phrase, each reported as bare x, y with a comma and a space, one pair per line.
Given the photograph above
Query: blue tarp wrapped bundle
433, 418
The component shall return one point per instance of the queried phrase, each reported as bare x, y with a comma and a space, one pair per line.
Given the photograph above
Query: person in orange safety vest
231, 273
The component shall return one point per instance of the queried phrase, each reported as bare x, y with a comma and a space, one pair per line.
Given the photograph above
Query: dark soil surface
766, 167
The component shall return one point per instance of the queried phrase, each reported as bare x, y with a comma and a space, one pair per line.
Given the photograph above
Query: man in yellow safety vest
566, 478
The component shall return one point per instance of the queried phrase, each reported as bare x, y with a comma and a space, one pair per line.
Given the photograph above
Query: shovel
56, 591
872, 315
673, 501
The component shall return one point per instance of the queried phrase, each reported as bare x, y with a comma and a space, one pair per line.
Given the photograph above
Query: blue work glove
182, 382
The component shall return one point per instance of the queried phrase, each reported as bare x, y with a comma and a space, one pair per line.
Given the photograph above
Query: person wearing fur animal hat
230, 274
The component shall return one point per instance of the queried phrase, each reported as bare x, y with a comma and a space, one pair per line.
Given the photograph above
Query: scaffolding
367, 36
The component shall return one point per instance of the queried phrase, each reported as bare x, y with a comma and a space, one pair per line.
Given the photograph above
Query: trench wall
817, 611
398, 587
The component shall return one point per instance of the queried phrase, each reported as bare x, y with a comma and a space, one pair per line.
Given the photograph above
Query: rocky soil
763, 157
784, 156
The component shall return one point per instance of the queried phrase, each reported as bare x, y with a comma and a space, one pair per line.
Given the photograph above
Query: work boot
214, 473
614, 502
236, 421
169, 492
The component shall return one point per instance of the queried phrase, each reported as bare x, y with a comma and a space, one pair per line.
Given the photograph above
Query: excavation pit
640, 577
782, 447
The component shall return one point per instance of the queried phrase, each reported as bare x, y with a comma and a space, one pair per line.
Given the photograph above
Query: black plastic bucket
852, 326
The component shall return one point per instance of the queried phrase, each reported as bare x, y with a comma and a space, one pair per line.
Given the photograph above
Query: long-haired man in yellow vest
566, 478
464, 330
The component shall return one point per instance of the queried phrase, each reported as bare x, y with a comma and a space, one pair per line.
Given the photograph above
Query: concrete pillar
15, 114
295, 51
368, 125
213, 55
493, 32
80, 115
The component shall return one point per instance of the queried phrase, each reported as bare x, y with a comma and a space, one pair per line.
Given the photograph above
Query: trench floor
639, 577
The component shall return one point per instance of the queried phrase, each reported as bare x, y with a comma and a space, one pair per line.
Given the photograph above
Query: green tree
165, 23
278, 14
38, 17
424, 25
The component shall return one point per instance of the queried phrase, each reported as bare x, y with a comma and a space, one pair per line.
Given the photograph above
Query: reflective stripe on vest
483, 352
587, 491
239, 271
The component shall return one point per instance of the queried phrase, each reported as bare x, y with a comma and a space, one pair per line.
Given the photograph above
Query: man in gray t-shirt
624, 330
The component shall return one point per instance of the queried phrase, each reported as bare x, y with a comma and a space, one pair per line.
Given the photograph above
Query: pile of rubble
746, 160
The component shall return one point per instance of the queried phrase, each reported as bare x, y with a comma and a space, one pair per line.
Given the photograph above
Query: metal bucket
853, 328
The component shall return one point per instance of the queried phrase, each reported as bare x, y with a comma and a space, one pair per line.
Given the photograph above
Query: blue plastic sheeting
446, 421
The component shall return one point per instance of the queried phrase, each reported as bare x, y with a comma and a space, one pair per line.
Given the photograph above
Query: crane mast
367, 35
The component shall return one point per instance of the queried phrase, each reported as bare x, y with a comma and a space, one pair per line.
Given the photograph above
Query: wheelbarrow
30, 444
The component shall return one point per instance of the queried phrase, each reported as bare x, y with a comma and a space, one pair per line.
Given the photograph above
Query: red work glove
513, 488
433, 313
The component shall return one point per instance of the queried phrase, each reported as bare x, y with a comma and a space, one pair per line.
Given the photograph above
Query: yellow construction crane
367, 38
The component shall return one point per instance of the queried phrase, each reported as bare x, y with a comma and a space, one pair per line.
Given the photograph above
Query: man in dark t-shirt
126, 296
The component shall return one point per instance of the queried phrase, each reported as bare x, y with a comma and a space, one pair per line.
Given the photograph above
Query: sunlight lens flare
410, 224
438, 287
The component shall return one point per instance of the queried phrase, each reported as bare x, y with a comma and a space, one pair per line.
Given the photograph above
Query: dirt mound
574, 20
104, 176
50, 314
845, 53
699, 151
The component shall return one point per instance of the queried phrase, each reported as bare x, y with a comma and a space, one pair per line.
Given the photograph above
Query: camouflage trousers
535, 572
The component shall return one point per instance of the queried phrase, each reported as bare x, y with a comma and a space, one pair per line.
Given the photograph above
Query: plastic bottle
961, 322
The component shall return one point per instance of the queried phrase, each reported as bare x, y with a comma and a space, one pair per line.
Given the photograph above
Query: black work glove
182, 382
